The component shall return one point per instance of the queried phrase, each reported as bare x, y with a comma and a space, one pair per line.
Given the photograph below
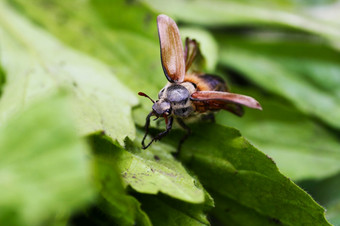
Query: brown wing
190, 52
215, 100
215, 105
172, 54
194, 59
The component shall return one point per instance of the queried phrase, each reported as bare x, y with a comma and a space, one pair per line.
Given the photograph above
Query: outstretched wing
194, 60
172, 54
190, 51
215, 100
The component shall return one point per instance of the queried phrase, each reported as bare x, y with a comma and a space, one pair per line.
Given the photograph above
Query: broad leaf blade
163, 211
113, 208
134, 58
302, 148
44, 172
230, 212
123, 208
208, 47
228, 165
326, 192
2, 80
276, 78
312, 84
132, 16
37, 64
219, 13
152, 171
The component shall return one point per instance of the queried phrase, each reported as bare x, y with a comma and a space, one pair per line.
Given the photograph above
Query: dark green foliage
2, 80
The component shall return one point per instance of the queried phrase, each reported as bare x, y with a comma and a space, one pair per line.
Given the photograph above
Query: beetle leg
187, 128
160, 135
168, 128
147, 124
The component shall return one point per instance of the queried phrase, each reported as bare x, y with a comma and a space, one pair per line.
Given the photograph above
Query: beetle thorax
178, 96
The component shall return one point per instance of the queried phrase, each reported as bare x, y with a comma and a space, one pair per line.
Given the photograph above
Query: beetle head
161, 108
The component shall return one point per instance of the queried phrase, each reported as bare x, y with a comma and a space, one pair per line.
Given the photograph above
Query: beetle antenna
144, 95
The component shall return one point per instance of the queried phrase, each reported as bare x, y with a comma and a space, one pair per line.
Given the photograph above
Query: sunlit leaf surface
230, 166
232, 12
44, 174
294, 142
37, 64
313, 97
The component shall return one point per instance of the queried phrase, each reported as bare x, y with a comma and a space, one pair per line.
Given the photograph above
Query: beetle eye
167, 112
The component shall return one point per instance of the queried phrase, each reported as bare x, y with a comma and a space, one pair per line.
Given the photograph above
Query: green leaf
197, 212
2, 80
37, 64
133, 52
294, 141
207, 43
134, 57
333, 214
124, 15
228, 165
323, 3
326, 192
125, 208
318, 64
122, 207
44, 172
219, 13
311, 84
164, 211
167, 176
230, 212
153, 170
274, 77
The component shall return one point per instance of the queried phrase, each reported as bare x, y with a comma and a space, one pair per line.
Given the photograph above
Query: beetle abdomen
183, 112
207, 82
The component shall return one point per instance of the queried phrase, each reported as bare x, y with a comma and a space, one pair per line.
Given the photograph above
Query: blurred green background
284, 53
